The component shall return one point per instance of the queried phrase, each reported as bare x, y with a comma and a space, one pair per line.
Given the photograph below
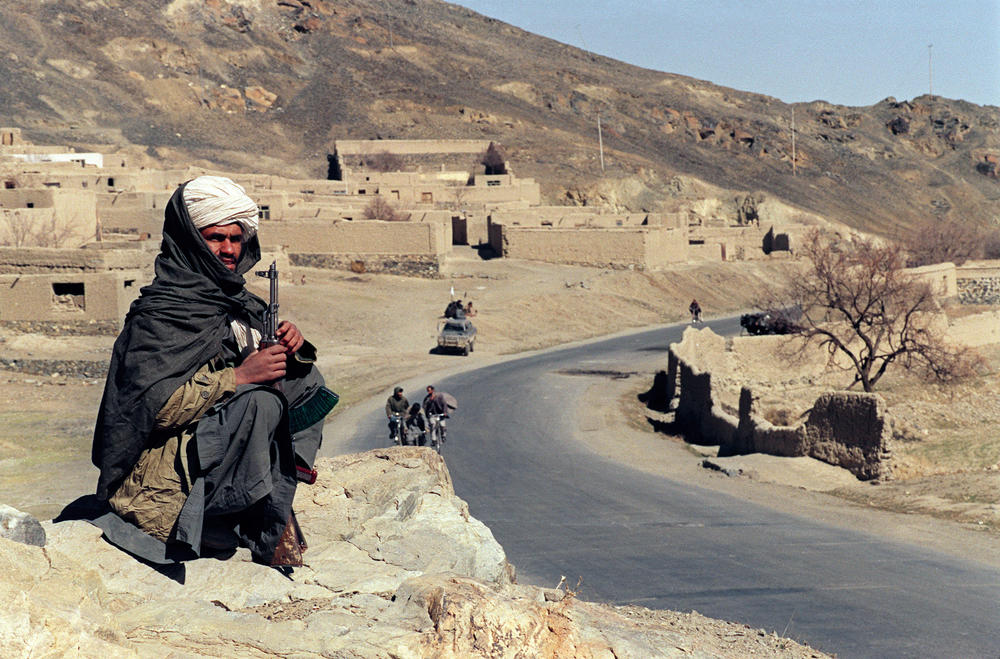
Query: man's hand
263, 366
290, 337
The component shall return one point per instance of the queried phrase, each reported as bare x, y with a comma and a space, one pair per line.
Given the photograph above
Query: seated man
200, 434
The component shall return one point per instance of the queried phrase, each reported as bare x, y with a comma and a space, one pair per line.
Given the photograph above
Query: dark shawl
177, 324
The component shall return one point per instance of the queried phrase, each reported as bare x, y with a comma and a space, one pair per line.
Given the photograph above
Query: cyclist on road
434, 403
396, 404
416, 423
695, 310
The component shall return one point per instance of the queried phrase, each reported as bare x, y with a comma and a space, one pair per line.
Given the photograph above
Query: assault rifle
319, 403
270, 336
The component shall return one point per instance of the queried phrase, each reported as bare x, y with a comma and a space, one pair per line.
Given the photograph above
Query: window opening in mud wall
265, 212
427, 197
111, 181
129, 283
30, 204
69, 296
9, 185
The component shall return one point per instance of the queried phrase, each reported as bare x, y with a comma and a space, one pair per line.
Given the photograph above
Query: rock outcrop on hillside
396, 568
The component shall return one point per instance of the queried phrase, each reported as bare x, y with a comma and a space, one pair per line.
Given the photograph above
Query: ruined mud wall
47, 218
410, 248
359, 237
346, 148
641, 248
665, 245
68, 297
846, 429
41, 260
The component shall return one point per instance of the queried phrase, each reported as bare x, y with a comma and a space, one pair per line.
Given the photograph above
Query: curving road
635, 538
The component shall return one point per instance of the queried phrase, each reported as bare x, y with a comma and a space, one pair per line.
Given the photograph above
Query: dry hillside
270, 85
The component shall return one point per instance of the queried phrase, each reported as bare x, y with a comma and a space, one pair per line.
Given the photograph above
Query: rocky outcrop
20, 527
396, 568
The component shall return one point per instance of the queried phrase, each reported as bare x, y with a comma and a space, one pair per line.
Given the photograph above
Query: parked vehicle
437, 432
771, 322
457, 334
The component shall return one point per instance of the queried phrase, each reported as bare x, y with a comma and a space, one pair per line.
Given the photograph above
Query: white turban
212, 200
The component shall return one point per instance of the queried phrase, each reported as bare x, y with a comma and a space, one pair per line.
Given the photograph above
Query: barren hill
269, 85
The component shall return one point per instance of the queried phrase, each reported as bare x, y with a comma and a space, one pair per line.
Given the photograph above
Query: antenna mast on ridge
600, 140
930, 71
793, 142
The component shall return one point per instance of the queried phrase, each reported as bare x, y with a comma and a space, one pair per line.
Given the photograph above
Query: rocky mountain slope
268, 85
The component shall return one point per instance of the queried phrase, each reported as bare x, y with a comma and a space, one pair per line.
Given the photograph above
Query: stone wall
847, 429
413, 265
978, 282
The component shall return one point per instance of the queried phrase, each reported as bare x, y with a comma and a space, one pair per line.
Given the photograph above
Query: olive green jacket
152, 495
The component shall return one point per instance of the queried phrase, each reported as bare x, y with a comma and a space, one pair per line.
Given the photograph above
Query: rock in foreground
396, 568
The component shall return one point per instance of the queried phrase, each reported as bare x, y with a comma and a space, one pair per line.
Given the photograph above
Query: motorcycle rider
396, 404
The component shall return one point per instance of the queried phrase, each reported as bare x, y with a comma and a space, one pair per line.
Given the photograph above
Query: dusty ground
376, 330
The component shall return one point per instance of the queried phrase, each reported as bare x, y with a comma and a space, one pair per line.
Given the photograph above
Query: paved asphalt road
635, 538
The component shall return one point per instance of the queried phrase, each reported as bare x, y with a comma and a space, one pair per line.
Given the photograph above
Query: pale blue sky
847, 52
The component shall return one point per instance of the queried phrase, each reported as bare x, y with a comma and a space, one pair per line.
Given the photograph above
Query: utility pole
388, 22
793, 143
930, 71
600, 140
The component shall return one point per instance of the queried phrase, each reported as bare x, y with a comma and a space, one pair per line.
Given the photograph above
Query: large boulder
396, 568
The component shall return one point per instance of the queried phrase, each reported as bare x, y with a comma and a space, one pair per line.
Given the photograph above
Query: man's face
430, 391
225, 241
397, 394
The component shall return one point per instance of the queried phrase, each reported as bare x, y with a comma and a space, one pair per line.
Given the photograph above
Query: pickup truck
457, 334
773, 322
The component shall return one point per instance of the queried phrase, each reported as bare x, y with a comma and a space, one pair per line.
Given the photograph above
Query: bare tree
53, 233
938, 241
858, 301
380, 209
19, 229
383, 161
